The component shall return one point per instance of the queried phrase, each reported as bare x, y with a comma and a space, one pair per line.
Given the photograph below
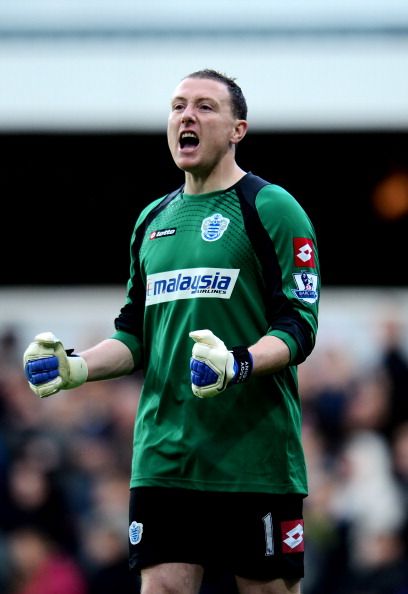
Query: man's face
201, 124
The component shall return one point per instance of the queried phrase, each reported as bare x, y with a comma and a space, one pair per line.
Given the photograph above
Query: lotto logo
303, 252
162, 233
292, 536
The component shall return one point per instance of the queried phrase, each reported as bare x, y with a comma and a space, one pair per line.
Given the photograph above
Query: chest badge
213, 227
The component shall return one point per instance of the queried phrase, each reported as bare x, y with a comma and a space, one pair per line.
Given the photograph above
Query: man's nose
188, 114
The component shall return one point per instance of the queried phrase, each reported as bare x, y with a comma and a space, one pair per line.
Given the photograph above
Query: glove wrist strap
243, 364
78, 370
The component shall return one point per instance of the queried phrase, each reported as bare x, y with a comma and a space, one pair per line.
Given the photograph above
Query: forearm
270, 354
108, 359
213, 367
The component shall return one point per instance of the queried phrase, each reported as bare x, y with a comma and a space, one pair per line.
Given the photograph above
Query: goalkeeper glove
49, 368
213, 367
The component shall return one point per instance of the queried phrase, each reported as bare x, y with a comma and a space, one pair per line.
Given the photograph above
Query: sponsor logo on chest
190, 283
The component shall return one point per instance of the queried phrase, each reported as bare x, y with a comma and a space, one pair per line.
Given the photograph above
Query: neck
216, 180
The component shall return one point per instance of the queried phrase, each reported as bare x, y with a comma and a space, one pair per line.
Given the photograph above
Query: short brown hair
238, 102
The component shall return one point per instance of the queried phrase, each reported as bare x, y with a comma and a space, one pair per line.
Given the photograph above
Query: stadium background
84, 91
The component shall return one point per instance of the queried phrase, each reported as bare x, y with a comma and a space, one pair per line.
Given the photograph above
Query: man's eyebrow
178, 98
181, 98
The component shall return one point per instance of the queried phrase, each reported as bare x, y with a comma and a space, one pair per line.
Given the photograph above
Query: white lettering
189, 283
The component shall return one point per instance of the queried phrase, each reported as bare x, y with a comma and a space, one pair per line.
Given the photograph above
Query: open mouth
188, 139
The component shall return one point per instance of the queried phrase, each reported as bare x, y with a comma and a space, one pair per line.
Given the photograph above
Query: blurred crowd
65, 463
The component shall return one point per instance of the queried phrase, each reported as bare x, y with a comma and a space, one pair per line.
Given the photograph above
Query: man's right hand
49, 368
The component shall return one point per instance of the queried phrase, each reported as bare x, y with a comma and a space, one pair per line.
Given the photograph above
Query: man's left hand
213, 367
211, 364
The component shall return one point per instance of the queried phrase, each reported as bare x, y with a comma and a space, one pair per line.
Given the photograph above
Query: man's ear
239, 131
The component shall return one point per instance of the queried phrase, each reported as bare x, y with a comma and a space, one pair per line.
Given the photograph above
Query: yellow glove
213, 367
49, 368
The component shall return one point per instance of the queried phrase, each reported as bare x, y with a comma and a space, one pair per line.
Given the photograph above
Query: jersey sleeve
129, 323
296, 286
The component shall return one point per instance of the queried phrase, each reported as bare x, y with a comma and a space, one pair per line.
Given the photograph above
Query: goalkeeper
221, 308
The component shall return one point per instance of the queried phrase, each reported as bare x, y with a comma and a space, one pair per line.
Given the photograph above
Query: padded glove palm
213, 367
49, 368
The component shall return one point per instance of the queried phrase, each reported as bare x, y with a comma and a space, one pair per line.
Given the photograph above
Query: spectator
39, 567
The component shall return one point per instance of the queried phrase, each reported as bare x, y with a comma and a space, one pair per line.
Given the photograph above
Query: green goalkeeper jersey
243, 263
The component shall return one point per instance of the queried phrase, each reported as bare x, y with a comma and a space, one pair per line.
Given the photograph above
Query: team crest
135, 533
213, 227
307, 286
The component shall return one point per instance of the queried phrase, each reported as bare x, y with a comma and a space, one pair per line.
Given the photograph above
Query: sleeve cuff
133, 344
290, 343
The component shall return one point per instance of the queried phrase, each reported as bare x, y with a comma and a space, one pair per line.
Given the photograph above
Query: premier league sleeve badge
306, 286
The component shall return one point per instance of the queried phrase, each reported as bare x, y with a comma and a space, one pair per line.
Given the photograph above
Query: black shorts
253, 535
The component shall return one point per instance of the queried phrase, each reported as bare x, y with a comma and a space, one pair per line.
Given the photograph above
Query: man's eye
178, 107
206, 107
